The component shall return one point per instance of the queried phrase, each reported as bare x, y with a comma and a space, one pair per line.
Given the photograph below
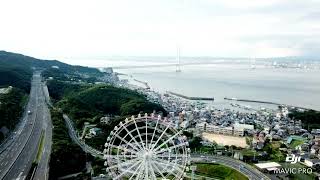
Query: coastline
219, 98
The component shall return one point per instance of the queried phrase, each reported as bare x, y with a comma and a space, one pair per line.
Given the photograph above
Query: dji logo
293, 159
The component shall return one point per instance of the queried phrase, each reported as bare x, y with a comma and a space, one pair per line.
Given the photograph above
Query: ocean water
297, 87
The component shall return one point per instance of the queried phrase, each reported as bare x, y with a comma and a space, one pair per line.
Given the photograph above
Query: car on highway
29, 112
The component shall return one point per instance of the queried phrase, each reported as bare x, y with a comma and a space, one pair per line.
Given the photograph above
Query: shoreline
146, 86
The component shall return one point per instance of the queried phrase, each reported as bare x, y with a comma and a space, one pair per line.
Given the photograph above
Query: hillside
84, 102
111, 100
27, 62
16, 71
66, 156
11, 107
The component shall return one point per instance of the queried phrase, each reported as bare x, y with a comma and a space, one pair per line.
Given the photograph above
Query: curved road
249, 171
76, 139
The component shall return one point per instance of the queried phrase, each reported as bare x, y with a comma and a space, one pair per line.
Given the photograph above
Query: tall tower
178, 69
253, 63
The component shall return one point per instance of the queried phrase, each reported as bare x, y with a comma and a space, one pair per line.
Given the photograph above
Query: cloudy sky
73, 29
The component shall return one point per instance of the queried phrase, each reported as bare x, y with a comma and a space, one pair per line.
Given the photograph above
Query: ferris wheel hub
148, 154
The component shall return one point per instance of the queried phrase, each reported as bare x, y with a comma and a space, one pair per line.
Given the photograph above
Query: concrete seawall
263, 102
191, 98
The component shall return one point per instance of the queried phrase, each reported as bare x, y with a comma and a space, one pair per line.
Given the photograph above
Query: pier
191, 98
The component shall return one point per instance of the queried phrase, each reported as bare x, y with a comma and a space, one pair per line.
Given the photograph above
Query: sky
95, 29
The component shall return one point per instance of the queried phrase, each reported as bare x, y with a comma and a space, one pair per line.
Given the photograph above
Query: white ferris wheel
146, 148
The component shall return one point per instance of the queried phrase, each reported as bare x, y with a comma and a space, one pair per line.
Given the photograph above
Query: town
263, 137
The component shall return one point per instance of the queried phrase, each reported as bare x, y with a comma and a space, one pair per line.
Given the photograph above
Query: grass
205, 149
40, 148
275, 144
249, 140
219, 171
248, 152
296, 143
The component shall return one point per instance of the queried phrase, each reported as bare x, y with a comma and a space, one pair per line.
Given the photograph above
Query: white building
184, 124
214, 129
237, 125
238, 132
201, 126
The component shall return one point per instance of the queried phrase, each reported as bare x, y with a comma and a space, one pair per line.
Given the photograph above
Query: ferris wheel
146, 148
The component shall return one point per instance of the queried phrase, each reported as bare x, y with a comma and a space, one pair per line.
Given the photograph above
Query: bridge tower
253, 63
178, 68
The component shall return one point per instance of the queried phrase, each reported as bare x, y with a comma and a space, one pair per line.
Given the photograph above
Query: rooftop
268, 165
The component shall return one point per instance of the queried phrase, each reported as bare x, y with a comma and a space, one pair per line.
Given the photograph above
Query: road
42, 171
76, 139
16, 158
249, 171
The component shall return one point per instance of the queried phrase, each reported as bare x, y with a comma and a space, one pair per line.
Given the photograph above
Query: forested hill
16, 69
19, 60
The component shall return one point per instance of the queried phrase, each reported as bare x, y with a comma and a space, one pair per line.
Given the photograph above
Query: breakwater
264, 102
191, 98
144, 83
254, 101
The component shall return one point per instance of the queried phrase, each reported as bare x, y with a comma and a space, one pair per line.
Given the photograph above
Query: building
205, 127
312, 162
184, 124
55, 67
105, 120
243, 126
201, 126
94, 131
238, 132
268, 166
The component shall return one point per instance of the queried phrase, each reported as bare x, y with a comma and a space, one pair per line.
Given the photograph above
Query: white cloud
98, 28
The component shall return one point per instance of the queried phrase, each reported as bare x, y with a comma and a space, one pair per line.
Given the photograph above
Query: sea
291, 86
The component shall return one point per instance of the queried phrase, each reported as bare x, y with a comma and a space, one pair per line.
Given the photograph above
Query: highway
17, 157
42, 170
